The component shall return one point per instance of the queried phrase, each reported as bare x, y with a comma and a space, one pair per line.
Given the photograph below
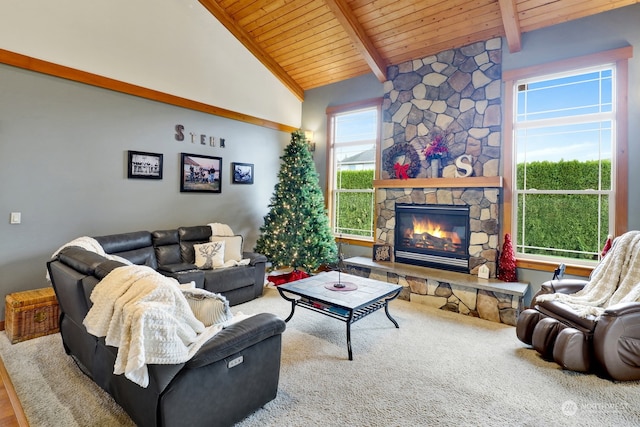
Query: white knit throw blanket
219, 229
147, 317
615, 280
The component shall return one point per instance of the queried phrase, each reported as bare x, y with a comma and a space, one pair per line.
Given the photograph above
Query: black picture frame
143, 165
200, 174
242, 173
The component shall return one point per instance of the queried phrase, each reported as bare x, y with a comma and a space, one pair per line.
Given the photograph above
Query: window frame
619, 59
331, 112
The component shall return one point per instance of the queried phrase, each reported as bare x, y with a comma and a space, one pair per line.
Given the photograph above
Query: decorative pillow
209, 308
209, 255
232, 247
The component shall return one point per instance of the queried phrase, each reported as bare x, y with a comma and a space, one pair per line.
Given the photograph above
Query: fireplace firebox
433, 236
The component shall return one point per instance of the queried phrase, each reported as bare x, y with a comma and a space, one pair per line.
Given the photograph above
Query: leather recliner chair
608, 344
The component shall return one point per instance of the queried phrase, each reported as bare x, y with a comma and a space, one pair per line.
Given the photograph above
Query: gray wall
606, 31
63, 155
316, 101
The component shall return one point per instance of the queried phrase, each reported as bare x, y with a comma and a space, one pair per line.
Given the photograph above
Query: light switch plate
16, 218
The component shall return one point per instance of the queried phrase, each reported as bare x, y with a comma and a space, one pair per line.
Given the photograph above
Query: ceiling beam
511, 24
362, 42
249, 42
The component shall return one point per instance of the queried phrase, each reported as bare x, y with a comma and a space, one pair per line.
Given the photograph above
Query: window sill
572, 269
355, 241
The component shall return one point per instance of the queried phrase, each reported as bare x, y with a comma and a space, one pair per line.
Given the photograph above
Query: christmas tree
507, 263
296, 231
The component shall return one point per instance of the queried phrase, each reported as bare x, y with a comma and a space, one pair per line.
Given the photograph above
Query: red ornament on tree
507, 262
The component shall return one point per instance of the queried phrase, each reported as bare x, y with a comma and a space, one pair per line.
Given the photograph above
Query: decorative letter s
466, 166
179, 133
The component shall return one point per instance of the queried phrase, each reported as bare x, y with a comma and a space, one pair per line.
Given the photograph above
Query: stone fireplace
457, 91
482, 204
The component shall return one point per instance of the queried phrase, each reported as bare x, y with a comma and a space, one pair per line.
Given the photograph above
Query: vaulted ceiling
311, 43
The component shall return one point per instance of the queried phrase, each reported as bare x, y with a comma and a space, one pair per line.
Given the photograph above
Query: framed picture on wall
144, 165
242, 173
200, 173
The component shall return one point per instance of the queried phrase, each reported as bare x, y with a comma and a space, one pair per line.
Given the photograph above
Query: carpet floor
437, 369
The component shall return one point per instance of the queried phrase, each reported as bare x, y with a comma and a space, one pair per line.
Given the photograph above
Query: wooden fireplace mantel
468, 182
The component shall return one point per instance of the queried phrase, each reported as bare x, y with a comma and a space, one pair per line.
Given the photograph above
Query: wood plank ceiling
311, 43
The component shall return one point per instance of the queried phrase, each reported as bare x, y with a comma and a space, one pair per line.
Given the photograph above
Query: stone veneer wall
458, 91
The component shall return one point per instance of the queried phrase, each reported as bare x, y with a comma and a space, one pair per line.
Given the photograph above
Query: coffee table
319, 293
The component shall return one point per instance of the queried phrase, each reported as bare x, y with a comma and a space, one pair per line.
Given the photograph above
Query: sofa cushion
232, 247
190, 236
124, 242
209, 255
228, 279
195, 233
143, 256
167, 247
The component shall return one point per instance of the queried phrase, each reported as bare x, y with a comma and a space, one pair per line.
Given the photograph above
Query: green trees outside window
354, 202
564, 225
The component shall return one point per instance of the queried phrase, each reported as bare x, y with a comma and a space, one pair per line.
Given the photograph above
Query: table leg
386, 309
349, 335
293, 302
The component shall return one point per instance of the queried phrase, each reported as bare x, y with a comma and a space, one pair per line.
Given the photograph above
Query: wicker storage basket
31, 314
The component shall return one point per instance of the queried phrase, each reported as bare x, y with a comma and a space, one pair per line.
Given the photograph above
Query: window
351, 164
566, 176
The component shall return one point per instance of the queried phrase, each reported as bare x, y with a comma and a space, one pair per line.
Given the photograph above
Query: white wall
173, 46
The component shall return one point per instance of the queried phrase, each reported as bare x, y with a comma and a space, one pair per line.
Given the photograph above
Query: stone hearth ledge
467, 294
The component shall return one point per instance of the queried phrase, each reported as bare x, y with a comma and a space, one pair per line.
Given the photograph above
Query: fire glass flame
424, 226
432, 235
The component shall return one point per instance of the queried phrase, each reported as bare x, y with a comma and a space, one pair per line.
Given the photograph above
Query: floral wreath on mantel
402, 171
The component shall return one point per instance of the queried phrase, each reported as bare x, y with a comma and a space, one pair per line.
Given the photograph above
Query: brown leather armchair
608, 344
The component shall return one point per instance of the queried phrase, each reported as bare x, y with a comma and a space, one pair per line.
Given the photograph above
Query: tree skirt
281, 279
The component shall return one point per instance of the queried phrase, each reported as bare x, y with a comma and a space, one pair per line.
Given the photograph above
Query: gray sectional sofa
171, 252
232, 375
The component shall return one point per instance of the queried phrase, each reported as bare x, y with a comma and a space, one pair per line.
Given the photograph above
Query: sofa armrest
623, 309
564, 286
616, 341
80, 259
186, 276
237, 337
175, 268
254, 257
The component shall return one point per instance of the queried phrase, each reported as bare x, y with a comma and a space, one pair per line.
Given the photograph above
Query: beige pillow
209, 308
232, 247
209, 255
